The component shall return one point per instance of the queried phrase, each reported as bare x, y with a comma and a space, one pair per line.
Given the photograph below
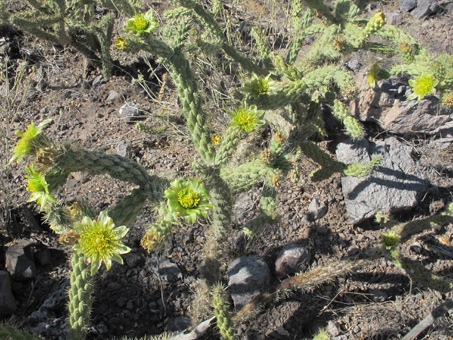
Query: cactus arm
125, 7
28, 26
98, 163
263, 49
245, 176
104, 33
321, 8
280, 97
328, 165
299, 26
230, 140
80, 301
216, 30
353, 127
309, 280
222, 313
10, 332
222, 200
129, 207
187, 90
354, 34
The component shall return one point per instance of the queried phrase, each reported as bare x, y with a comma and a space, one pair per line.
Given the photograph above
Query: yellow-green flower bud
121, 43
259, 86
447, 99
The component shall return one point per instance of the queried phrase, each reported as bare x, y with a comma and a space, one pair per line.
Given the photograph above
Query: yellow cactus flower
38, 187
142, 23
100, 241
29, 142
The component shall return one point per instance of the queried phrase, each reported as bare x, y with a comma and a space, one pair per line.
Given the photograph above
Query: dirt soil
379, 301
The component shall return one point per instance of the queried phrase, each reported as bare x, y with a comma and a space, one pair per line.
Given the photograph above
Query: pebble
130, 113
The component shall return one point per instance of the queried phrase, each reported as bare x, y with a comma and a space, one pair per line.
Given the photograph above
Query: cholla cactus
362, 170
390, 240
353, 127
8, 332
66, 18
375, 74
294, 95
156, 235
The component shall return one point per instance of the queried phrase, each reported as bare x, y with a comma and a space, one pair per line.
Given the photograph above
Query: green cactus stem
328, 76
300, 23
9, 332
67, 19
156, 235
375, 23
125, 211
280, 98
98, 163
245, 176
216, 30
228, 144
222, 313
80, 297
149, 130
266, 54
354, 128
187, 91
222, 200
328, 165
360, 170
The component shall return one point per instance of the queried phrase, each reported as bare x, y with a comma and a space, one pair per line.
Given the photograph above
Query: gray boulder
408, 5
166, 269
398, 183
7, 301
244, 203
386, 104
425, 8
248, 277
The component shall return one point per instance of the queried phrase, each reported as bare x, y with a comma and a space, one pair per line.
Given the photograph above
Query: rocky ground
322, 222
